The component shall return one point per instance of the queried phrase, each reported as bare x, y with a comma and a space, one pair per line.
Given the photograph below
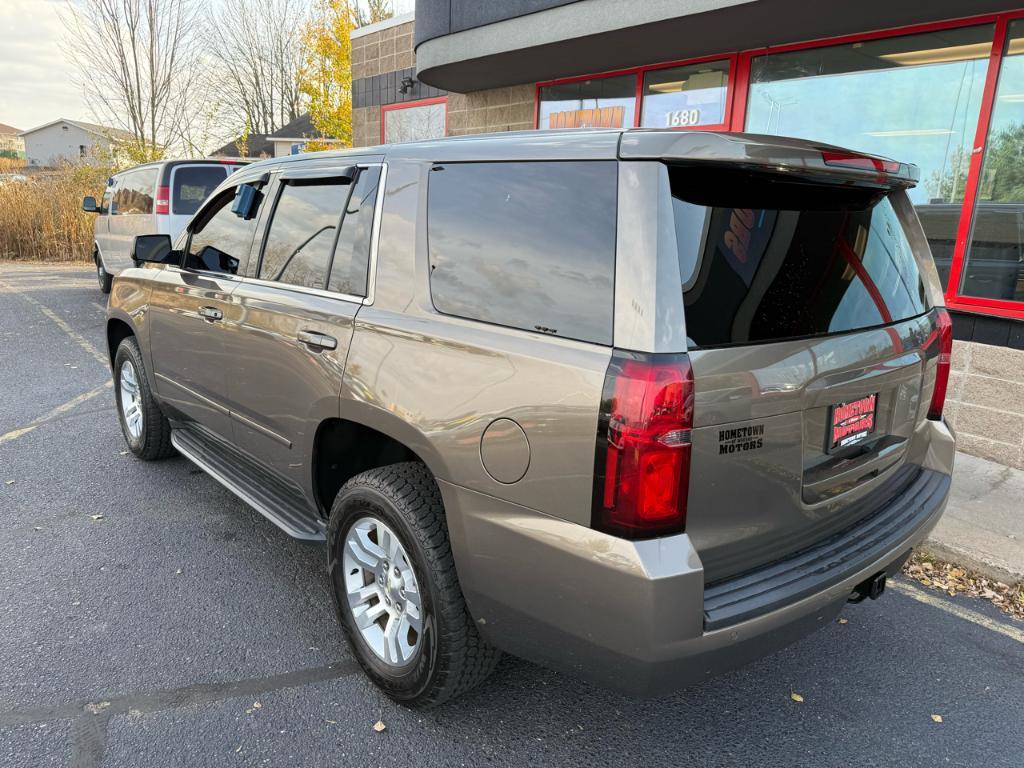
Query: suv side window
352, 254
220, 240
529, 245
299, 242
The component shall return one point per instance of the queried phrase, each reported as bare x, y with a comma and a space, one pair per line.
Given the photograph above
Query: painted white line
78, 338
923, 596
60, 410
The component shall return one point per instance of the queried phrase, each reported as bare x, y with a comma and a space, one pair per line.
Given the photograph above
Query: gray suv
640, 406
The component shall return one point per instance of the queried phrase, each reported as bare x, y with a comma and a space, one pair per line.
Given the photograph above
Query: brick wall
985, 403
380, 59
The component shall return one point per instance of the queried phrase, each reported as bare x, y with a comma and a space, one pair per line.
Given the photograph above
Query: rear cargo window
194, 184
529, 245
765, 259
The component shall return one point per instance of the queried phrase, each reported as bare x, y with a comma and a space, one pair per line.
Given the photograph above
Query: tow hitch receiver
872, 588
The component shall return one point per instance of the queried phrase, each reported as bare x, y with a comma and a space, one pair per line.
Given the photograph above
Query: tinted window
301, 236
527, 245
192, 185
135, 191
220, 240
789, 260
352, 255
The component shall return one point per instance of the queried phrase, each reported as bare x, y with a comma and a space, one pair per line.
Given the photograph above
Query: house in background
71, 141
292, 138
258, 145
12, 146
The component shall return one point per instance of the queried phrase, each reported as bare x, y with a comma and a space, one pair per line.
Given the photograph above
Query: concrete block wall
376, 54
985, 403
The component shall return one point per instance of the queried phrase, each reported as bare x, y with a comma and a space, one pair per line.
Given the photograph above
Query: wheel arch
118, 329
360, 440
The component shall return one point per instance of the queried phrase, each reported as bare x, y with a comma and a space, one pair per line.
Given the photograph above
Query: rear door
808, 319
189, 184
287, 350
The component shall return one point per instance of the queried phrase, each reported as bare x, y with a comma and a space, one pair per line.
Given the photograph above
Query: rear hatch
810, 327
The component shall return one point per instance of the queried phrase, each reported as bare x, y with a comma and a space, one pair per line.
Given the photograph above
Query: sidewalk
983, 527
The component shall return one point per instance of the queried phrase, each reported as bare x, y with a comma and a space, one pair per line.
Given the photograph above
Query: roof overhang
593, 36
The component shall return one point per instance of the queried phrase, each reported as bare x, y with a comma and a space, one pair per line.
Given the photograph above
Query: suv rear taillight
163, 200
863, 162
944, 338
642, 467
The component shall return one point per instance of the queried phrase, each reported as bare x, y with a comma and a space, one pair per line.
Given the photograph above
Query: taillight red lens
863, 162
642, 469
163, 200
944, 339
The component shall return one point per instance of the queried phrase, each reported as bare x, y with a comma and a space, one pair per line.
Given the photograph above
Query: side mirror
246, 201
154, 249
89, 204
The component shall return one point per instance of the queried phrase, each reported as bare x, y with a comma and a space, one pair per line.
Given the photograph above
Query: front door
190, 308
296, 315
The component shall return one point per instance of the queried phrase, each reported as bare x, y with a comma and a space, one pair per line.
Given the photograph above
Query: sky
37, 83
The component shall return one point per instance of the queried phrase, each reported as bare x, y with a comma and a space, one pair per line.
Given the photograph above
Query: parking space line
61, 323
60, 410
922, 596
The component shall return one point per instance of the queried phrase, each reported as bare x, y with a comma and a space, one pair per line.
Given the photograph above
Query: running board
259, 489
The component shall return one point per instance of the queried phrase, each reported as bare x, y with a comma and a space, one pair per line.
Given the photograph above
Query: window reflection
916, 98
994, 267
683, 97
604, 102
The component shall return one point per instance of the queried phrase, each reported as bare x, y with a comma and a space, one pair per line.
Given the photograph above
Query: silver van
637, 405
155, 198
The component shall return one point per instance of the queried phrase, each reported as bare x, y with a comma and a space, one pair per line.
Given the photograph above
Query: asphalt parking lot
183, 629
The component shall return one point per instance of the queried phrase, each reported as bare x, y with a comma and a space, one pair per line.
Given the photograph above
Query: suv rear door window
192, 185
529, 245
352, 254
301, 237
782, 259
135, 191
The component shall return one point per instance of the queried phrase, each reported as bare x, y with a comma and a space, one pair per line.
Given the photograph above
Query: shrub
41, 219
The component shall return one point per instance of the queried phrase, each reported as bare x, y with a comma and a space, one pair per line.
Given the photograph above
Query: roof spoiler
770, 153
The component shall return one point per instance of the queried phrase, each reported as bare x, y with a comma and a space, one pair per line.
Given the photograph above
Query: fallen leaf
239, 749
178, 572
124, 453
937, 718
96, 517
257, 705
379, 726
797, 698
844, 621
77, 602
331, 722
8, 482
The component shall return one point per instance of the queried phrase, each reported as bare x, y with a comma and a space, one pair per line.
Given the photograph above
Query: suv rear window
764, 259
529, 245
192, 185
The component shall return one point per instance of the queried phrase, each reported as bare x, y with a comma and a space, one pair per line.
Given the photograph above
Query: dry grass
42, 219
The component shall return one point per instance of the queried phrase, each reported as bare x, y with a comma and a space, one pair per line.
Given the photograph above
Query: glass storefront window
915, 98
687, 96
994, 266
415, 122
603, 102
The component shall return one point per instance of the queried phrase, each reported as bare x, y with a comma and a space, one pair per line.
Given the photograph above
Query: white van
152, 199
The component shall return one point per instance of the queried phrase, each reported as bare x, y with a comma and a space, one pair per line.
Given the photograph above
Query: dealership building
939, 83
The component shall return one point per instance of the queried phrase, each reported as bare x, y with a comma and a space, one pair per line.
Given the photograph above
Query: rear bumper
636, 616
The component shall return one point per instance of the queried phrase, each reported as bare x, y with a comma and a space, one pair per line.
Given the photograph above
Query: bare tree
256, 50
375, 10
137, 63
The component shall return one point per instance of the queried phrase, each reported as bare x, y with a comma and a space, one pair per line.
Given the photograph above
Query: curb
972, 561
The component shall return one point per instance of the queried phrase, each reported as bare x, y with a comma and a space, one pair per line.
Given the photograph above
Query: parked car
638, 405
155, 198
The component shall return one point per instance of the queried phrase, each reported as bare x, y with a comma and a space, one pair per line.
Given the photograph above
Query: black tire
154, 440
104, 278
452, 657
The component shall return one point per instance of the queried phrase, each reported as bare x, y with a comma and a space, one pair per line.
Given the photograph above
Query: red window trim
738, 88
385, 108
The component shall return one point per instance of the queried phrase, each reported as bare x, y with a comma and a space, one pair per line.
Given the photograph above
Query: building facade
12, 146
939, 83
69, 141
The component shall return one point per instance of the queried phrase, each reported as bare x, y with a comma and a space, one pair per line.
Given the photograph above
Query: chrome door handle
211, 313
318, 340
